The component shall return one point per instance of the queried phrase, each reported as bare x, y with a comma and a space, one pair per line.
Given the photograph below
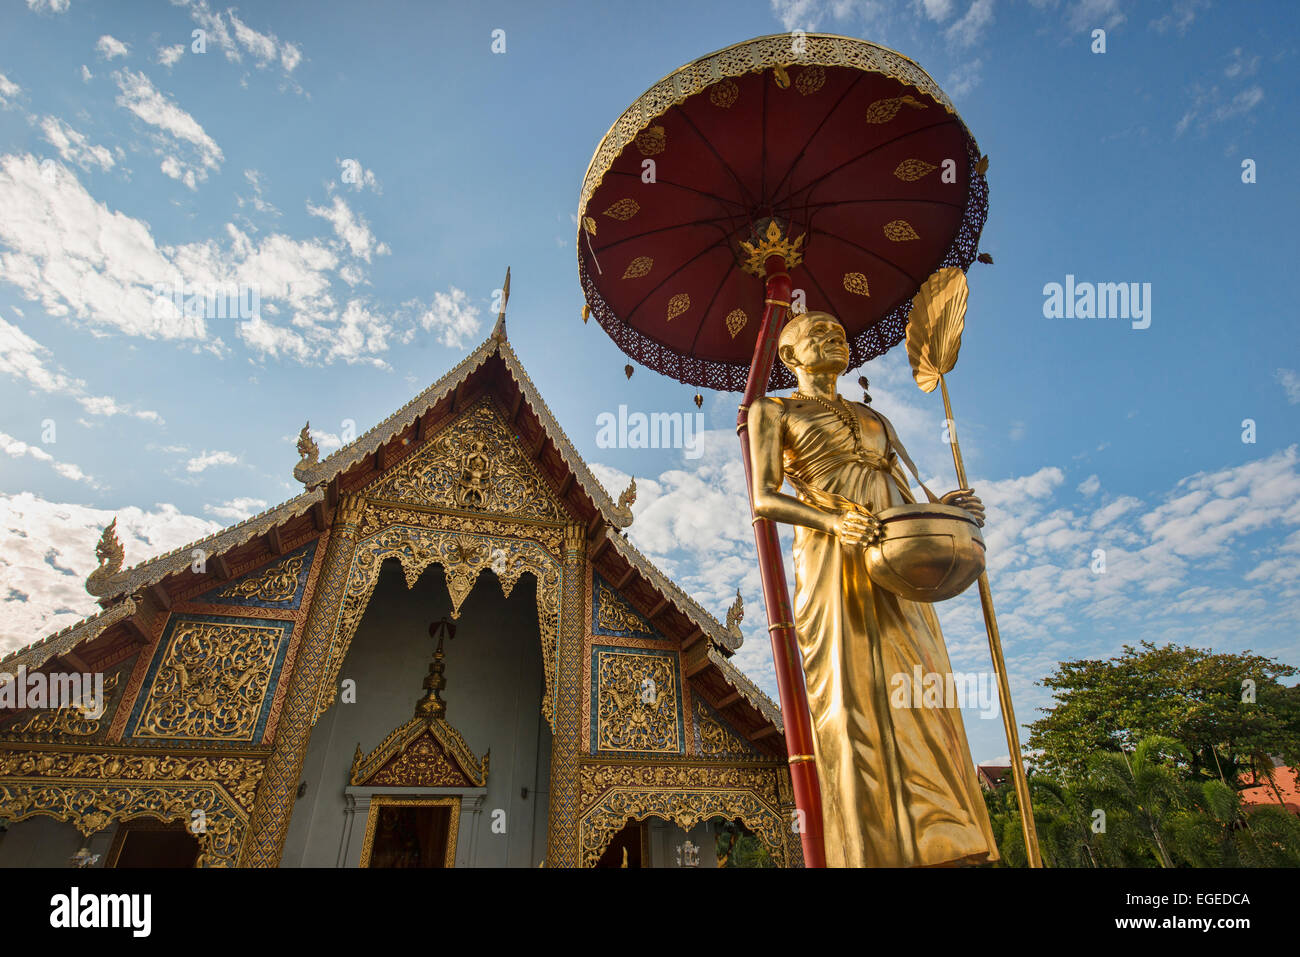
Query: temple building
443, 652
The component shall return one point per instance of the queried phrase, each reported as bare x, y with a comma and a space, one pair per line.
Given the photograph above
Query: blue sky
127, 158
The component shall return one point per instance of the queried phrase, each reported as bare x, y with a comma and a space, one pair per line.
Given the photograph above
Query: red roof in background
1262, 793
991, 775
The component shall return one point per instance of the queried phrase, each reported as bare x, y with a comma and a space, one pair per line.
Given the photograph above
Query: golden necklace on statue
841, 411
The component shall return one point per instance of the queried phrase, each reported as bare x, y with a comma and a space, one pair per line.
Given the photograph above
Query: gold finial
432, 705
771, 244
110, 553
309, 452
499, 330
735, 615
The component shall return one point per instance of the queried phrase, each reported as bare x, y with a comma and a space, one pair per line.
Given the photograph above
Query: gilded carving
212, 679
74, 721
636, 702
423, 751
598, 778
473, 463
856, 283
685, 808
715, 737
614, 614
94, 790
277, 583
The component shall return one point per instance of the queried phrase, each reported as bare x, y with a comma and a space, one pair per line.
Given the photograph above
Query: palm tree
1145, 784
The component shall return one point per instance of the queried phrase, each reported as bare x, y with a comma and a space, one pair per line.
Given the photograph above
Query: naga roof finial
735, 615
110, 553
309, 450
623, 511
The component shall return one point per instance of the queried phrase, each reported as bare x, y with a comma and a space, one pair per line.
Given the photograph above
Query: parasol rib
802, 152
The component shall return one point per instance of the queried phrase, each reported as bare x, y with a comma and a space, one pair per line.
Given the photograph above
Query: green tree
1144, 783
1199, 698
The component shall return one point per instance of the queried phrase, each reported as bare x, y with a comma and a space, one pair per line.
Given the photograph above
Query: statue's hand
964, 498
857, 528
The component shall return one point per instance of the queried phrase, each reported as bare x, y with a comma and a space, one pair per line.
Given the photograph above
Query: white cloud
350, 228
260, 45
170, 56
8, 90
265, 48
176, 129
290, 56
73, 146
964, 78
1090, 486
451, 318
110, 47
966, 31
1091, 14
207, 460
1291, 383
236, 510
48, 548
48, 6
24, 358
1180, 16
86, 75
937, 10
16, 448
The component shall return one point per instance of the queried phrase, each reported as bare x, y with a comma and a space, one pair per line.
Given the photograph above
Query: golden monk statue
898, 786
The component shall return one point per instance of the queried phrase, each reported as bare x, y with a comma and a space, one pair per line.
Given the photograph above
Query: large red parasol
842, 142
789, 164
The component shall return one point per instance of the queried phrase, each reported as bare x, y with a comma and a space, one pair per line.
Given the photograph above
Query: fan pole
776, 595
999, 668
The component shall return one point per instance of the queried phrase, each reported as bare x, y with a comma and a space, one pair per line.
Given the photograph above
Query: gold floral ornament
781, 76
110, 553
882, 111
724, 94
810, 80
677, 305
589, 225
639, 267
910, 170
736, 320
935, 326
856, 283
624, 209
900, 231
651, 141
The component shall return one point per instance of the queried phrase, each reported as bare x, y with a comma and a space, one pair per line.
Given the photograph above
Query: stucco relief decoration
474, 463
211, 679
637, 705
715, 737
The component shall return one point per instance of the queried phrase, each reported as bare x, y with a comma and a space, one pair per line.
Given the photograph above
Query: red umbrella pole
780, 616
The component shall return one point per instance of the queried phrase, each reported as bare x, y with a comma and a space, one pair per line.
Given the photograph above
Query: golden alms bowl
926, 552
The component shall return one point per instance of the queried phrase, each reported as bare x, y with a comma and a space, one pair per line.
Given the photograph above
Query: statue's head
815, 342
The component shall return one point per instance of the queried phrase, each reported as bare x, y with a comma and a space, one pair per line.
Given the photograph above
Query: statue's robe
898, 785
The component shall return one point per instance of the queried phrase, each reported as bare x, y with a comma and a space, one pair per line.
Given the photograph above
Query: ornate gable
424, 752
474, 464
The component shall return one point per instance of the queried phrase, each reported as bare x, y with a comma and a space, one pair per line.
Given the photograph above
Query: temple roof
145, 588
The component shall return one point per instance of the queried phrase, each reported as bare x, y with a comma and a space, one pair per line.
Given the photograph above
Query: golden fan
935, 326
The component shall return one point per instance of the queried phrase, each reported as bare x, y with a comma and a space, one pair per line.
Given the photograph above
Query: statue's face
820, 346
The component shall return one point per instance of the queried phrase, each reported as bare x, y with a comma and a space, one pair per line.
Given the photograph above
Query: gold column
269, 823
566, 745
